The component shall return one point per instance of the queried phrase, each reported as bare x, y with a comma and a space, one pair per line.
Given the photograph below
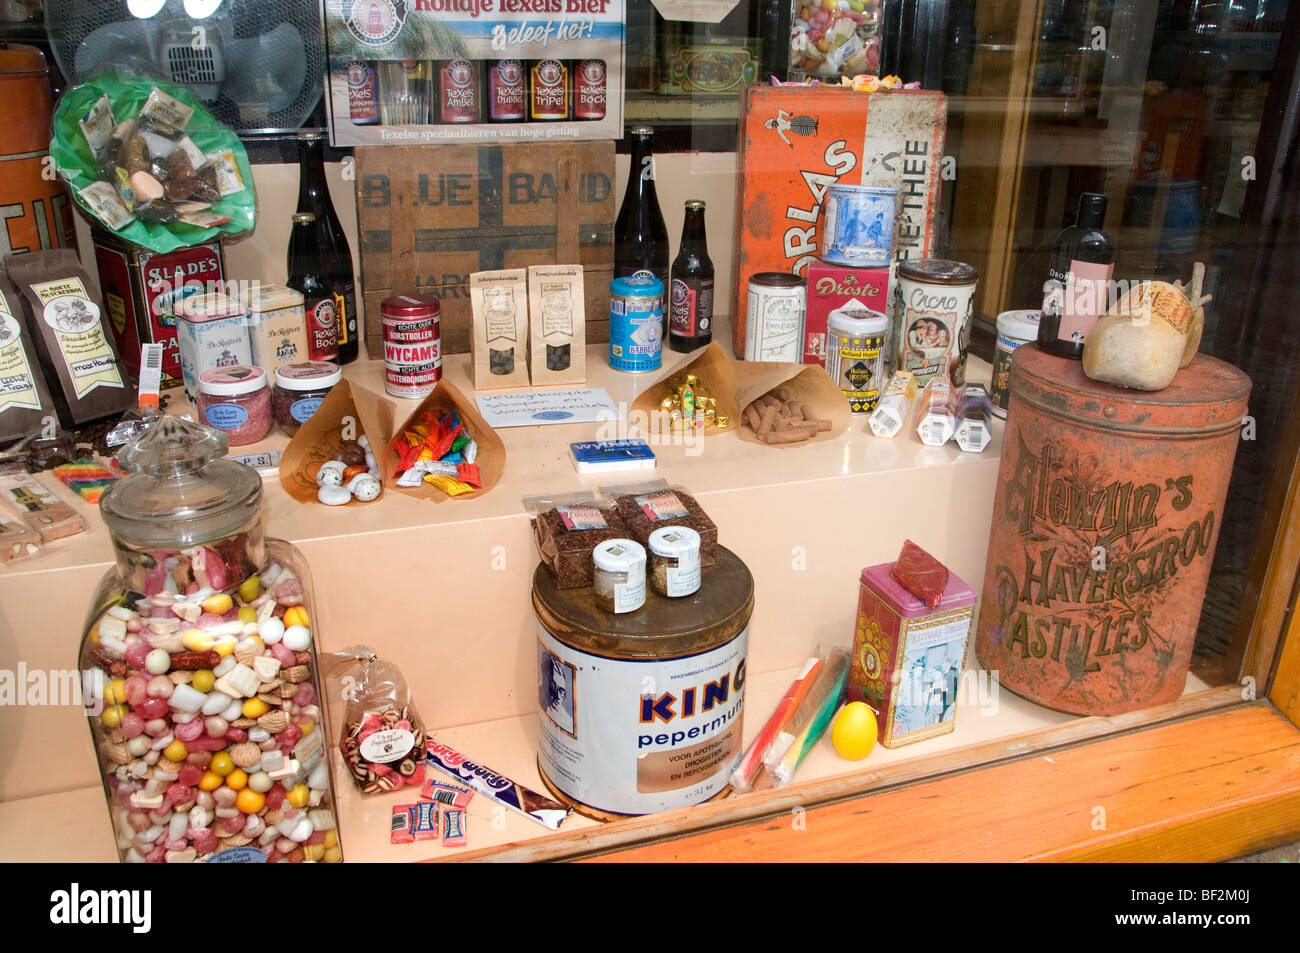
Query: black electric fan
256, 64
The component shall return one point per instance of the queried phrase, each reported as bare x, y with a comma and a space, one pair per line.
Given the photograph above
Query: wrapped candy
691, 406
832, 38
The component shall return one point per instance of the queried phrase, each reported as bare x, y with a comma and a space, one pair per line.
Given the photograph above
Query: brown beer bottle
690, 297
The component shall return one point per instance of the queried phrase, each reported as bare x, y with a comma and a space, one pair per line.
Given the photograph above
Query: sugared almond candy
296, 673
245, 754
267, 667
274, 721
247, 652
117, 753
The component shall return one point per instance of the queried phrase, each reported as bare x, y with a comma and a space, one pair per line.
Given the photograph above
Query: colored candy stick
742, 779
810, 720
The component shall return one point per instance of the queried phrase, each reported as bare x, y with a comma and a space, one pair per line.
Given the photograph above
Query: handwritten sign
529, 408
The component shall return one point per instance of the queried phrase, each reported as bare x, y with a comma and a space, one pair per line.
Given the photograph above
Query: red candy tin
907, 657
412, 344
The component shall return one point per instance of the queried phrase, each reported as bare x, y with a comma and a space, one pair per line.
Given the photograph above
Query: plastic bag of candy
383, 738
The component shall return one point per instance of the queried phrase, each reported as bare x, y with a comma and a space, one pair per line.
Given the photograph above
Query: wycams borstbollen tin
859, 227
1107, 510
641, 712
412, 345
774, 322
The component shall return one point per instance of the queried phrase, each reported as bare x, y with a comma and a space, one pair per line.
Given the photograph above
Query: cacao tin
1104, 525
933, 302
641, 712
774, 317
412, 345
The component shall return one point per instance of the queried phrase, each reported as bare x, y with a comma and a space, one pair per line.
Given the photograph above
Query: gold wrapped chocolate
689, 405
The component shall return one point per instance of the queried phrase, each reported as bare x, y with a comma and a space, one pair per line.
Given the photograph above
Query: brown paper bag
808, 383
347, 412
491, 451
717, 375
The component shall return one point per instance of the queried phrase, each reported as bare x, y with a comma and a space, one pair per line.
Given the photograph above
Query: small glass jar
619, 577
236, 401
675, 561
299, 390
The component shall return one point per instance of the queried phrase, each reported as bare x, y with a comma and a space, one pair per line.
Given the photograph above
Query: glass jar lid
674, 542
620, 555
308, 375
232, 381
179, 491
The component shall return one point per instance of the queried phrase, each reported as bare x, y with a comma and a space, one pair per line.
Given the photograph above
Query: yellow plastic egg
331, 838
247, 614
225, 645
313, 851
854, 732
332, 855
237, 780
307, 727
203, 680
255, 708
210, 781
298, 796
296, 615
176, 751
222, 764
250, 801
115, 691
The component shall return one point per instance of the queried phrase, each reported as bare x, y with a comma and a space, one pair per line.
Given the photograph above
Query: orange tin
1104, 526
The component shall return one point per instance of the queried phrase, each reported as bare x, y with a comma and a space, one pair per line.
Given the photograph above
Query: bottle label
346, 309
506, 82
691, 310
550, 90
322, 329
589, 90
1083, 298
459, 92
362, 103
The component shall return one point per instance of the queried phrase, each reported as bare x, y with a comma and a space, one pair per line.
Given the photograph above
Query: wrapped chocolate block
567, 528
645, 508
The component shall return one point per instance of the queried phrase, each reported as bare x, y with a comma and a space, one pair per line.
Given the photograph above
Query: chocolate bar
449, 794
40, 509
16, 540
453, 832
424, 820
496, 786
401, 832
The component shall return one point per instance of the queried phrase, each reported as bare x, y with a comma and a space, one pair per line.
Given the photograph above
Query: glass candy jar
209, 735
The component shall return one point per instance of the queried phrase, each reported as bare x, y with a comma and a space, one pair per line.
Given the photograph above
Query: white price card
531, 408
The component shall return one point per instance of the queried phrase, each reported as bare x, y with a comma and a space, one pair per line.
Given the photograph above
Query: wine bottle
640, 235
690, 307
335, 252
306, 276
1075, 294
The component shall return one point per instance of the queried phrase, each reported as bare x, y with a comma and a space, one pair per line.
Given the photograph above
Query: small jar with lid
675, 561
236, 401
619, 577
1015, 329
299, 390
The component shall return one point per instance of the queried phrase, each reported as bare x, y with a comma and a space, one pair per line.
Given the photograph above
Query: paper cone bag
347, 412
491, 451
808, 383
717, 375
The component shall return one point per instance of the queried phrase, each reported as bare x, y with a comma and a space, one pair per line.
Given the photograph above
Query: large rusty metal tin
1107, 512
641, 712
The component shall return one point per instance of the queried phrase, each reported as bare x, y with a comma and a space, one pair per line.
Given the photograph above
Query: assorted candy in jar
211, 728
833, 38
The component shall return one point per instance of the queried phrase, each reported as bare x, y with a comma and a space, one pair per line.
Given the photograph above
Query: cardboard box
361, 34
831, 287
499, 344
557, 324
429, 218
796, 141
141, 289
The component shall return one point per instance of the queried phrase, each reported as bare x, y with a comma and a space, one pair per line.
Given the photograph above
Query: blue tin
636, 322
859, 227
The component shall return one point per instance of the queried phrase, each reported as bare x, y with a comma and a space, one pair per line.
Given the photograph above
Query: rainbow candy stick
810, 721
742, 779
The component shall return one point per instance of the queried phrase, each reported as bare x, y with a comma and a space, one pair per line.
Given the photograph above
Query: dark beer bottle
640, 236
335, 252
320, 307
690, 300
1076, 292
